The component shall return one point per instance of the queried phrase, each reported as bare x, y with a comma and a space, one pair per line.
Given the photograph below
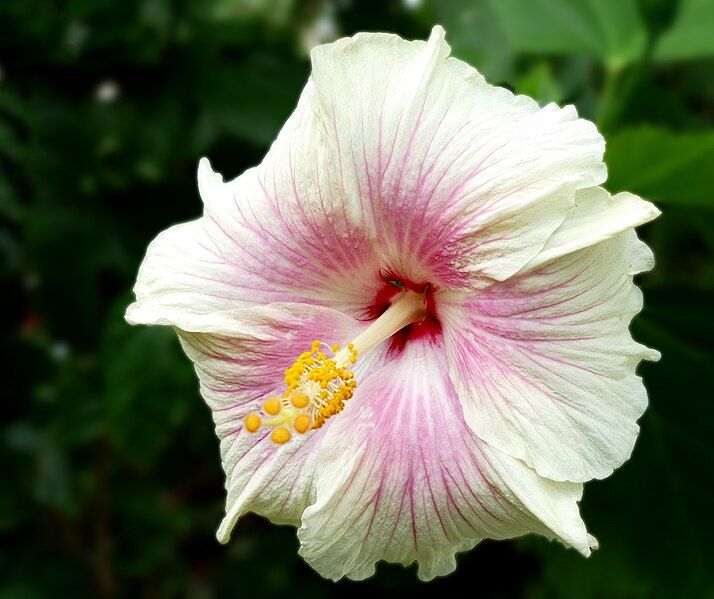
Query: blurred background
111, 484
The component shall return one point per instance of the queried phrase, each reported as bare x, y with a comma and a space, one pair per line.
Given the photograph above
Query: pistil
318, 385
408, 308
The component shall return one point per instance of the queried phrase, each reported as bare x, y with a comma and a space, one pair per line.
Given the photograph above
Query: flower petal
278, 232
401, 477
595, 217
545, 365
240, 357
394, 151
444, 166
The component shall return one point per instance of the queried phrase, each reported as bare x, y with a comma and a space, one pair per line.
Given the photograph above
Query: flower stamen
252, 422
280, 435
321, 380
272, 406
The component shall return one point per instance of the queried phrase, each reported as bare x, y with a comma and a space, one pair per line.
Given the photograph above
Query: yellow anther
252, 422
315, 384
280, 435
299, 399
301, 423
321, 380
272, 406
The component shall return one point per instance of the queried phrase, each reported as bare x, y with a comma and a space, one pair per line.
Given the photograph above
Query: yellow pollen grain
252, 422
301, 423
272, 406
314, 369
299, 399
280, 435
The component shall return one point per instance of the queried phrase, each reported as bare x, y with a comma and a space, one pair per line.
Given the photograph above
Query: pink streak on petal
238, 369
545, 364
402, 478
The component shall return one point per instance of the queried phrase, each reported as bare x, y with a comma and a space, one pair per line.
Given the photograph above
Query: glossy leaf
608, 30
663, 166
692, 34
475, 35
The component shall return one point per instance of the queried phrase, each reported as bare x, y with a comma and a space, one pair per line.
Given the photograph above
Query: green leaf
475, 36
10, 206
10, 146
692, 35
146, 400
249, 100
608, 30
662, 165
540, 84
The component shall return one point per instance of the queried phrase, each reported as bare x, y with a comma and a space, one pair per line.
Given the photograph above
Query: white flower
457, 235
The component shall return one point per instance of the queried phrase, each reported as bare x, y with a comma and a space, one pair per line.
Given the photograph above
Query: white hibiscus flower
452, 240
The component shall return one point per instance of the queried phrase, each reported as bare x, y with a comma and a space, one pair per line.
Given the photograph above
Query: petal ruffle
240, 357
596, 216
544, 363
464, 175
402, 478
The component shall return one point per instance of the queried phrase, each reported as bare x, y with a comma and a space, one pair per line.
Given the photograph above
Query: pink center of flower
318, 384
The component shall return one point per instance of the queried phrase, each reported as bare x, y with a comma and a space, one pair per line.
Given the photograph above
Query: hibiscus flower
410, 321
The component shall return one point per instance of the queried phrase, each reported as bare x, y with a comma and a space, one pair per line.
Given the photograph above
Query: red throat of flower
394, 285
321, 380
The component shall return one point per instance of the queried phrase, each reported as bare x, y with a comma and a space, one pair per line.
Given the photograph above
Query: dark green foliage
111, 483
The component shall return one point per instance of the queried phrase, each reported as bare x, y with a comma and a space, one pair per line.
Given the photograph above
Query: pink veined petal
279, 232
240, 357
461, 182
395, 151
401, 478
544, 363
